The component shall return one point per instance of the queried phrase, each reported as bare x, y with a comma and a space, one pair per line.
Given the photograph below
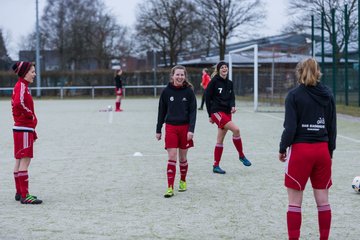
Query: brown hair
308, 72
172, 72
117, 71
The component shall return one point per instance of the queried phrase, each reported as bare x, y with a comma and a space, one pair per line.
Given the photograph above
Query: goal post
256, 69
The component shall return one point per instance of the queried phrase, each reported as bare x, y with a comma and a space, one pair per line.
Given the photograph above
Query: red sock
117, 106
324, 218
171, 171
294, 222
24, 183
238, 144
183, 170
17, 182
217, 153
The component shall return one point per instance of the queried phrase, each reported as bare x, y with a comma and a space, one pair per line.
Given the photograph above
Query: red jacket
23, 106
205, 80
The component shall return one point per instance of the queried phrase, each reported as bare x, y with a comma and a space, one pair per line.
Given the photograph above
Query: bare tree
4, 57
79, 30
226, 18
166, 25
301, 12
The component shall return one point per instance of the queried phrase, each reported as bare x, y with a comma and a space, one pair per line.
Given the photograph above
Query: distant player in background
205, 79
310, 136
177, 108
119, 78
220, 104
24, 132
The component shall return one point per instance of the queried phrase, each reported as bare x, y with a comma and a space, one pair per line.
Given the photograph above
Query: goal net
263, 76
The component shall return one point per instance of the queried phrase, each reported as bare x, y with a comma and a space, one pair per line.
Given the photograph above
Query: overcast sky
18, 17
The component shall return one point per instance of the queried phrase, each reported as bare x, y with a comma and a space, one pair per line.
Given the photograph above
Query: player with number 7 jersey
220, 104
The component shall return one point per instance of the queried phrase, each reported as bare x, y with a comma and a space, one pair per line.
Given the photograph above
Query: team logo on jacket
321, 121
172, 98
184, 99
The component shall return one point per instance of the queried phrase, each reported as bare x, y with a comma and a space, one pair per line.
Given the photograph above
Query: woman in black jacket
220, 104
119, 78
309, 137
177, 108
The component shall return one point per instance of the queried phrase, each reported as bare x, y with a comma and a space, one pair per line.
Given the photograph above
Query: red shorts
118, 91
23, 144
221, 119
176, 136
308, 160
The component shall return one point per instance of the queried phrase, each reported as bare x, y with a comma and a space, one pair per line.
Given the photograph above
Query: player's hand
190, 136
233, 110
211, 121
35, 136
158, 136
282, 157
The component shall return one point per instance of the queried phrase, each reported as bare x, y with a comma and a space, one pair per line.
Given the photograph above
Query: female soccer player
205, 79
177, 108
23, 130
118, 89
309, 135
220, 104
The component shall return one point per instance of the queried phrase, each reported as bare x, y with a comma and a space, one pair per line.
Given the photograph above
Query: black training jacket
177, 106
119, 81
219, 95
310, 116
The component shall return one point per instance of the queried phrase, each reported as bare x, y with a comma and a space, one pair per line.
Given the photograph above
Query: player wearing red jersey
24, 132
205, 79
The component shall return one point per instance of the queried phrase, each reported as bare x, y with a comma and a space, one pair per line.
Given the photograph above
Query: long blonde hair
172, 72
308, 72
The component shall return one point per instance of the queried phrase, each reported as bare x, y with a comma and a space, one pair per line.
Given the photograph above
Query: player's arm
19, 105
162, 110
192, 112
290, 124
208, 96
332, 128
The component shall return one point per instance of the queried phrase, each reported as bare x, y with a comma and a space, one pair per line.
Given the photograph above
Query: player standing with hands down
177, 108
220, 104
205, 79
118, 89
24, 133
310, 136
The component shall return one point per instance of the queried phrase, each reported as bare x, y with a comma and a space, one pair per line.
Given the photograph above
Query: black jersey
310, 116
219, 95
119, 81
177, 106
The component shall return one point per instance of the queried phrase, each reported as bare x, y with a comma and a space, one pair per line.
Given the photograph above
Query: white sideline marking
349, 138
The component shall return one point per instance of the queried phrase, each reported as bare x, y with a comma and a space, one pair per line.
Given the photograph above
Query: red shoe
118, 110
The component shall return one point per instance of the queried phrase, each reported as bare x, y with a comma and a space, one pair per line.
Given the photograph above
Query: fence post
93, 92
61, 93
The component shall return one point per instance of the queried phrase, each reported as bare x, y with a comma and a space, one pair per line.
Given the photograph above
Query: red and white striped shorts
221, 119
23, 144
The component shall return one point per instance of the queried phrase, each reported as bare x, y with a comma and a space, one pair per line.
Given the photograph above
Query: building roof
283, 48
